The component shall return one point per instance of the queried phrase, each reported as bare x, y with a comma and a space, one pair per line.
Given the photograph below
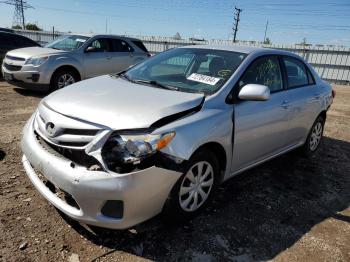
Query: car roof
104, 35
243, 49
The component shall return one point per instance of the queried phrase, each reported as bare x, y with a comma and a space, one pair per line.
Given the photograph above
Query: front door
260, 126
97, 58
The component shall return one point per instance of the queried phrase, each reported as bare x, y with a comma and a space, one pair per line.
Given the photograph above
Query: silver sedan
116, 150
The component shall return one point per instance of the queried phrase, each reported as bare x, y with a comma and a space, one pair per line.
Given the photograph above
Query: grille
77, 156
68, 137
12, 67
15, 58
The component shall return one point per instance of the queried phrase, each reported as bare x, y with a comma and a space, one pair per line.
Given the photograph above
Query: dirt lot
290, 209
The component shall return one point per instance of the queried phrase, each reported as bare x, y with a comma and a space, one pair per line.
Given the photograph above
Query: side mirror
90, 49
254, 92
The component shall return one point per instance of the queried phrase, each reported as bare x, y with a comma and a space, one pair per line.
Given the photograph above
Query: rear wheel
63, 78
194, 189
314, 138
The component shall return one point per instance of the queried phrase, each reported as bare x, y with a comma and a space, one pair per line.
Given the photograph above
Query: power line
20, 6
236, 22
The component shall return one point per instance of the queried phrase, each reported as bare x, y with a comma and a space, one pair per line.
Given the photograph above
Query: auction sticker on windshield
209, 80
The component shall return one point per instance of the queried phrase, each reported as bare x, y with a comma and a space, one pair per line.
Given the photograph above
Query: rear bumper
143, 193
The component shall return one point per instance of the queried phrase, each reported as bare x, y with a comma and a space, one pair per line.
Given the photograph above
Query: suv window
121, 46
101, 45
296, 72
24, 42
3, 41
140, 45
264, 71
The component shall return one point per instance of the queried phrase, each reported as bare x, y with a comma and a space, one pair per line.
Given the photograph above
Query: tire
314, 138
63, 78
178, 207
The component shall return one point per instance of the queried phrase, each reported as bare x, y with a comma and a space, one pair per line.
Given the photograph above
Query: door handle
109, 58
285, 104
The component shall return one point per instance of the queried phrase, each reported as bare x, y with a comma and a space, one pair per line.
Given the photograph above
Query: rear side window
121, 46
264, 71
297, 75
24, 42
100, 45
140, 45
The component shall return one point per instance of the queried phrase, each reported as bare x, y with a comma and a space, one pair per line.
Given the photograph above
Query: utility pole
106, 25
236, 21
20, 6
267, 23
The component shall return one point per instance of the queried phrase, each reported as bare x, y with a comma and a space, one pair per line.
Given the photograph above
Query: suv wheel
63, 78
194, 188
314, 138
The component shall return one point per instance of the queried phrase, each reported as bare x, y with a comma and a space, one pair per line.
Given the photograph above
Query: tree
16, 27
177, 36
33, 27
267, 41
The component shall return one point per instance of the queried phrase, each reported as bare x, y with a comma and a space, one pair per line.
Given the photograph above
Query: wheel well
323, 114
69, 68
220, 153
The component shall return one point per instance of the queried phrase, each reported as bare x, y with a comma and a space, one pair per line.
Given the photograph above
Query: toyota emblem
50, 129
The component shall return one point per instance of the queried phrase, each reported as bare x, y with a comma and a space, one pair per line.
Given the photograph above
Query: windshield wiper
156, 84
124, 76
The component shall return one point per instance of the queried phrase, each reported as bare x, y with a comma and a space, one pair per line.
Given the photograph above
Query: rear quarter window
140, 45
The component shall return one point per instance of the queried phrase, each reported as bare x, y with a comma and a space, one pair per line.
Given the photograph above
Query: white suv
71, 58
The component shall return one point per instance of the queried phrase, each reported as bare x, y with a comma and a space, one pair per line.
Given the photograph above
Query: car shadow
257, 214
2, 155
29, 92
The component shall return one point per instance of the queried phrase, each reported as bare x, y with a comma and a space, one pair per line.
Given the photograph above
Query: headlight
121, 149
36, 61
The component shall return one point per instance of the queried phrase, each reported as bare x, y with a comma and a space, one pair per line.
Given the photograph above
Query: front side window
296, 72
189, 69
264, 71
68, 43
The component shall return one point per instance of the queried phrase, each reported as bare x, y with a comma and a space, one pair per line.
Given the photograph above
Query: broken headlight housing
129, 149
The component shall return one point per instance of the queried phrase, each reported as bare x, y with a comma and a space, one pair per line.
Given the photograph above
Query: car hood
118, 103
28, 52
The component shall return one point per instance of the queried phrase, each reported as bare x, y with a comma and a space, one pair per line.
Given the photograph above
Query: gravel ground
289, 209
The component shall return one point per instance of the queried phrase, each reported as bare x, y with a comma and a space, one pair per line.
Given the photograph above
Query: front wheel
63, 78
194, 189
314, 138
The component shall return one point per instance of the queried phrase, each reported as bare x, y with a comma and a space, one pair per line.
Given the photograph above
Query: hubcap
316, 136
65, 80
196, 186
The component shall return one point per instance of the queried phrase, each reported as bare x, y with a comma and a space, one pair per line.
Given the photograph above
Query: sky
318, 21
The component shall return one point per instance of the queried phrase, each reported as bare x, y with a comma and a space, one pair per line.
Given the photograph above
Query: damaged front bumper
101, 198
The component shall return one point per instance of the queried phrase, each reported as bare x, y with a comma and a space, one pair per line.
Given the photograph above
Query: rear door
122, 56
260, 126
304, 98
97, 61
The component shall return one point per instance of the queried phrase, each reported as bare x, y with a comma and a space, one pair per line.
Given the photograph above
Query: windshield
188, 69
68, 42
